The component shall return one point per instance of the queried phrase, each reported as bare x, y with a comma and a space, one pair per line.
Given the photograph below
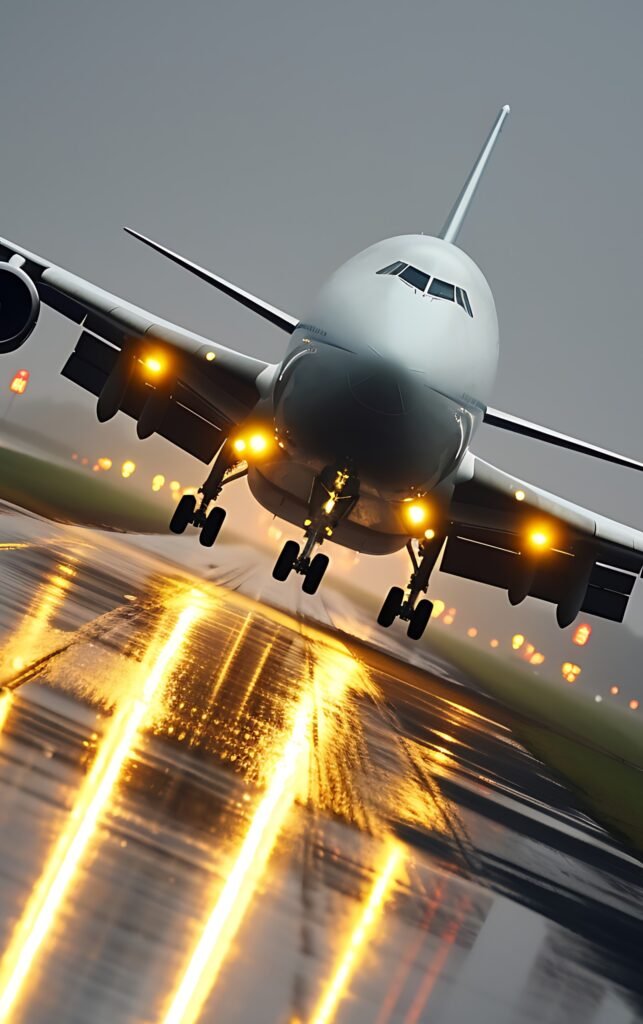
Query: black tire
315, 574
286, 561
183, 514
391, 607
419, 619
211, 527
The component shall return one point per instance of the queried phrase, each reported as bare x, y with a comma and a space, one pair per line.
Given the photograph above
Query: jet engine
19, 307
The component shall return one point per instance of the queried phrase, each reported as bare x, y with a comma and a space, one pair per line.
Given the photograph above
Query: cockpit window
420, 281
416, 278
393, 268
442, 289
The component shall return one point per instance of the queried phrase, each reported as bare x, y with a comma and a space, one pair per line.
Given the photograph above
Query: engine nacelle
19, 307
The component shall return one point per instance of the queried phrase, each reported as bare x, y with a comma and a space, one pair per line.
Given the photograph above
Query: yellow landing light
429, 534
258, 444
539, 539
519, 495
210, 356
416, 513
329, 506
239, 446
154, 364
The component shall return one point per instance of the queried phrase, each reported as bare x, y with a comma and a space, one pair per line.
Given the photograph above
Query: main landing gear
190, 512
333, 496
398, 605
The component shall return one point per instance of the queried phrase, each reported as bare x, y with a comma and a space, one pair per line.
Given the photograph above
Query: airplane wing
510, 534
199, 388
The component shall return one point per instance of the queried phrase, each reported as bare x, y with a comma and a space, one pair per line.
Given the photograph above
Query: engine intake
19, 307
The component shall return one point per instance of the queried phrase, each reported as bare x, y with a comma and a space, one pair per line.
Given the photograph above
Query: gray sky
270, 141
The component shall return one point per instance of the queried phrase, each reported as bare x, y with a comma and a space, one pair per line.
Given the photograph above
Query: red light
582, 634
19, 383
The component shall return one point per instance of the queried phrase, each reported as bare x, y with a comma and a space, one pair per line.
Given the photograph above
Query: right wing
206, 387
586, 562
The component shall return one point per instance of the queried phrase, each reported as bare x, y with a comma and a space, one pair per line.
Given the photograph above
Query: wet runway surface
211, 810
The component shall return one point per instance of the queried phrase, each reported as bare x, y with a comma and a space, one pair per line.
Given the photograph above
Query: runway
212, 809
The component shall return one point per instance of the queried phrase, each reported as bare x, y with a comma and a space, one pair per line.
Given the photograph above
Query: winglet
454, 221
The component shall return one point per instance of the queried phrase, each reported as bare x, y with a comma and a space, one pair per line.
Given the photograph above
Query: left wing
516, 425
510, 534
178, 384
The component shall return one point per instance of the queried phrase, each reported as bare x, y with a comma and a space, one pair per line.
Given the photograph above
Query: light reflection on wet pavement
212, 810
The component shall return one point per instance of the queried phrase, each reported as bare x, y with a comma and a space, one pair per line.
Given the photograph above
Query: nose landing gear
333, 496
226, 467
398, 605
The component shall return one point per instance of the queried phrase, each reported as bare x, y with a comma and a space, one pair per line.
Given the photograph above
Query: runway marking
373, 908
319, 705
60, 869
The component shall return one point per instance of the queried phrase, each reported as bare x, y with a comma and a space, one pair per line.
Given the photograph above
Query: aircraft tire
183, 514
286, 561
391, 607
211, 527
315, 574
419, 620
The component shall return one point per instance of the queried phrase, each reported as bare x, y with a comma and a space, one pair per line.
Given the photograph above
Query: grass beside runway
596, 748
70, 496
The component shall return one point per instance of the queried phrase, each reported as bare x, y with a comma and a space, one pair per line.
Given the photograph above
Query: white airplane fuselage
386, 379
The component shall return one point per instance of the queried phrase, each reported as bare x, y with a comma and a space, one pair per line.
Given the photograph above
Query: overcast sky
271, 141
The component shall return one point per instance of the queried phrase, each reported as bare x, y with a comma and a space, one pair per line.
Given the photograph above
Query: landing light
239, 446
416, 513
519, 495
539, 538
429, 534
153, 364
258, 444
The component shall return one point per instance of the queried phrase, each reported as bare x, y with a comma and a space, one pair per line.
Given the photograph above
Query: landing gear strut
189, 513
334, 494
398, 605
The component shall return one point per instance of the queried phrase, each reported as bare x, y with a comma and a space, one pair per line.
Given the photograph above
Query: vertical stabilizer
451, 229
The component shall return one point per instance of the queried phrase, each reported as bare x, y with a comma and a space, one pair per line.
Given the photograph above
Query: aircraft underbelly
283, 488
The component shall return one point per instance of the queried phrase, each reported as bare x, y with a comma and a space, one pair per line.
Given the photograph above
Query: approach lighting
614, 690
127, 468
517, 641
157, 482
582, 634
570, 671
634, 704
104, 463
19, 382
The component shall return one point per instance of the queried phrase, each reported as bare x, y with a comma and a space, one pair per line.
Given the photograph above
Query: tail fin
451, 229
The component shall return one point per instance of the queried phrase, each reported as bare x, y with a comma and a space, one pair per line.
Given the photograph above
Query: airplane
362, 433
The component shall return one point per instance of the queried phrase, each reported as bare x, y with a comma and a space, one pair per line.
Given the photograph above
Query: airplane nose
379, 386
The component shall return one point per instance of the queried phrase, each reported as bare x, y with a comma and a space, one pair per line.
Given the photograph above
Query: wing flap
89, 365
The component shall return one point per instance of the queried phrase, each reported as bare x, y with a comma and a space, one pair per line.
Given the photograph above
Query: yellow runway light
105, 463
127, 468
158, 481
517, 641
60, 870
